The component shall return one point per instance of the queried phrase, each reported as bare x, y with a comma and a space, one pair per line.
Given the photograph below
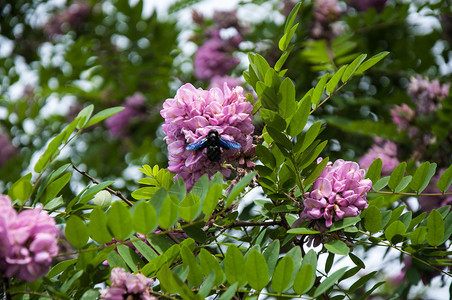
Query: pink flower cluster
339, 192
28, 241
386, 151
127, 286
364, 5
427, 94
214, 57
135, 109
326, 12
71, 18
189, 117
7, 149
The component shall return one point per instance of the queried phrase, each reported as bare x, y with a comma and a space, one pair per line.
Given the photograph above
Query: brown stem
94, 180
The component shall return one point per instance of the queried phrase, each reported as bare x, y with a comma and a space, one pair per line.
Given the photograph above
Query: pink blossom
135, 109
364, 5
219, 81
426, 94
326, 12
28, 241
386, 151
125, 284
191, 114
71, 18
7, 149
214, 57
339, 192
402, 116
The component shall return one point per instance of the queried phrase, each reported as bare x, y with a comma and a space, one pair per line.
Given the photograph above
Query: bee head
213, 133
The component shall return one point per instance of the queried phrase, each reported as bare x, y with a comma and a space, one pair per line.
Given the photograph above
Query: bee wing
196, 145
229, 144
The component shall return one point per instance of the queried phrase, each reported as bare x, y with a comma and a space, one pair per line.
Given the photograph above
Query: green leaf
419, 176
239, 187
291, 17
271, 255
395, 232
230, 292
304, 279
351, 69
360, 282
310, 258
319, 88
194, 271
256, 270
396, 176
346, 222
287, 106
103, 114
171, 282
97, 227
300, 118
381, 183
418, 235
169, 212
374, 171
435, 228
188, 208
265, 156
119, 221
145, 250
306, 138
445, 180
302, 230
144, 218
76, 232
286, 38
130, 257
208, 264
372, 219
60, 267
21, 189
93, 190
272, 119
283, 58
207, 285
337, 247
233, 266
329, 282
282, 275
50, 151
316, 172
267, 95
430, 174
403, 184
332, 83
211, 201
84, 116
309, 156
55, 187
371, 62
416, 221
280, 138
295, 254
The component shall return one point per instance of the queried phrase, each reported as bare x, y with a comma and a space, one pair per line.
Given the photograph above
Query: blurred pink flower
135, 109
364, 5
7, 149
339, 192
402, 116
326, 12
191, 114
28, 241
68, 19
386, 151
125, 284
219, 81
426, 94
214, 57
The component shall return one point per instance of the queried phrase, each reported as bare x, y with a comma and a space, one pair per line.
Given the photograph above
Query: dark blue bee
213, 142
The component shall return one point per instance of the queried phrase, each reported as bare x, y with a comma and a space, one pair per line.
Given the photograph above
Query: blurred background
57, 57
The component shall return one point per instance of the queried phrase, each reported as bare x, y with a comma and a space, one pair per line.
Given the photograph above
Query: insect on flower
213, 142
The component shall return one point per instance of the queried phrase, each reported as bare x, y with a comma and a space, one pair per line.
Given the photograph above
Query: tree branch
94, 180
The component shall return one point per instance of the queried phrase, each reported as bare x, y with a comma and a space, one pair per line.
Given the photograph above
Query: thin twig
94, 180
411, 194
